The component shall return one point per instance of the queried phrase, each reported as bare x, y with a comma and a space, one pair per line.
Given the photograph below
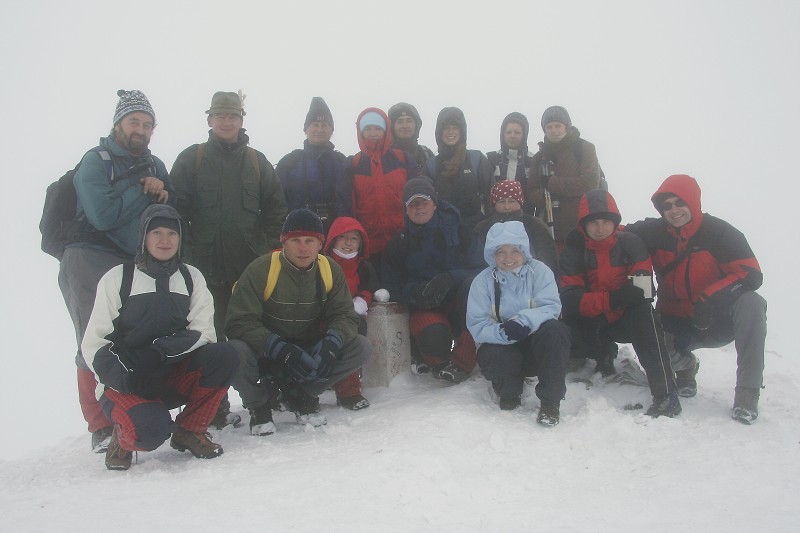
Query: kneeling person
512, 311
151, 344
293, 323
600, 303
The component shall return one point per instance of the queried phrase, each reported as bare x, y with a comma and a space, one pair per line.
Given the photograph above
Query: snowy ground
427, 456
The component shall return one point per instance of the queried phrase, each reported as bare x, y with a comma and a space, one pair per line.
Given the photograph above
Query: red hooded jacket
706, 259
379, 174
591, 269
359, 274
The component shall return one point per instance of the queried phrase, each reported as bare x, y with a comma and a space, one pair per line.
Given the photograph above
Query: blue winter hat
371, 118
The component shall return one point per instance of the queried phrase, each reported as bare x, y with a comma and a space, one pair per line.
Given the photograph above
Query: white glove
360, 305
381, 295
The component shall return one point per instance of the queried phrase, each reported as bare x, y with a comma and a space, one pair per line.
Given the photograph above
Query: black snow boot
745, 405
261, 421
686, 381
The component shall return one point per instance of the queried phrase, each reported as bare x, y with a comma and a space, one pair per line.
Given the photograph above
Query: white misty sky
706, 88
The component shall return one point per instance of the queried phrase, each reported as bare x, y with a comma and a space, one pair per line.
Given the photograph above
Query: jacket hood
152, 211
342, 225
512, 232
687, 189
385, 143
597, 204
520, 119
402, 108
450, 116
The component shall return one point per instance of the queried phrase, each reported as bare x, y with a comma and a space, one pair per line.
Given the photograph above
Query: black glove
625, 296
434, 291
146, 375
703, 314
328, 350
300, 365
514, 330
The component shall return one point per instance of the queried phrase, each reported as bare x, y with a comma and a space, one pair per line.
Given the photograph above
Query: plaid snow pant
199, 382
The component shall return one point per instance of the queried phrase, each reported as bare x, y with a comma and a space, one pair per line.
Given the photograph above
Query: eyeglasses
667, 205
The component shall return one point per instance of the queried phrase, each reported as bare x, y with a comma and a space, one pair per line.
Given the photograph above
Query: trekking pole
546, 172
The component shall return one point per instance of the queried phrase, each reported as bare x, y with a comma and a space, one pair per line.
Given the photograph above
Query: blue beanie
371, 118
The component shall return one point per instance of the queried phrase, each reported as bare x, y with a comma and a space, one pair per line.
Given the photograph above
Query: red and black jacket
591, 269
706, 259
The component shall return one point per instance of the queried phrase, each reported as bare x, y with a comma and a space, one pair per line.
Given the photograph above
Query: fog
704, 88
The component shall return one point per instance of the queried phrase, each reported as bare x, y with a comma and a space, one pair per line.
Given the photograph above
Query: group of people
227, 271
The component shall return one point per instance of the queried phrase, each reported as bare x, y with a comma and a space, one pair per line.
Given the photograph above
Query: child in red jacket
348, 245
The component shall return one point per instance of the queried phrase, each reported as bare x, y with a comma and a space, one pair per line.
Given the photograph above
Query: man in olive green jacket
299, 333
232, 200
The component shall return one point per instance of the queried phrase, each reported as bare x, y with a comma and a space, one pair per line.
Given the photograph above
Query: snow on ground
428, 456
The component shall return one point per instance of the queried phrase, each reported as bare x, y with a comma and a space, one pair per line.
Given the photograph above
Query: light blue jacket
530, 297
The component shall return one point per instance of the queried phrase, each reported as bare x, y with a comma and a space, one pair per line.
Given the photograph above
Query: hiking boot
420, 367
549, 414
686, 381
224, 417
605, 366
509, 404
667, 405
117, 458
261, 421
305, 407
354, 403
198, 443
745, 405
574, 364
451, 372
101, 439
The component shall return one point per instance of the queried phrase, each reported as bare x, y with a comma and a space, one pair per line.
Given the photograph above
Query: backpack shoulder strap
254, 159
108, 162
272, 276
201, 151
325, 272
475, 160
127, 282
187, 278
577, 150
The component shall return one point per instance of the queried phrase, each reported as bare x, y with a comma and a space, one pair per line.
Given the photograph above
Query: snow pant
638, 325
199, 382
543, 354
433, 332
256, 375
80, 271
744, 323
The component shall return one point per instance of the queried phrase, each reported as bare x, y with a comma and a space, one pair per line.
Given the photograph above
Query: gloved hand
360, 305
300, 365
328, 351
514, 330
703, 314
434, 291
144, 378
625, 296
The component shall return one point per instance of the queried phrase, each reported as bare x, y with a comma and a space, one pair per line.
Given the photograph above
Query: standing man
406, 124
310, 175
115, 183
707, 278
294, 326
565, 168
232, 200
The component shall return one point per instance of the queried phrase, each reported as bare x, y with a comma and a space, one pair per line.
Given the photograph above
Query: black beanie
318, 111
556, 113
301, 223
164, 222
420, 187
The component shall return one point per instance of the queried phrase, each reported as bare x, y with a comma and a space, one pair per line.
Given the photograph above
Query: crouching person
292, 321
602, 306
512, 312
151, 344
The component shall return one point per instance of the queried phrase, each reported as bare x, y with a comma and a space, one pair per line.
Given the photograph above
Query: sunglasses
666, 206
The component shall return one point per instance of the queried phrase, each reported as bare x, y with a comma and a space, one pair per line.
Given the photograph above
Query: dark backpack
577, 150
59, 215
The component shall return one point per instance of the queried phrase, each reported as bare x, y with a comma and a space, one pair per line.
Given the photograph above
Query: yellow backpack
275, 270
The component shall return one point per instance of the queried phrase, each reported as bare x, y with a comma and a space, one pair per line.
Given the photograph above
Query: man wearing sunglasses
707, 277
